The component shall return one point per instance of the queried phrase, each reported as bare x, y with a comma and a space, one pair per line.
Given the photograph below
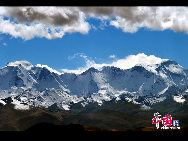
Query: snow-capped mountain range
143, 82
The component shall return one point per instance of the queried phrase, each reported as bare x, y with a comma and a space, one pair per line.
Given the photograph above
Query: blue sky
98, 44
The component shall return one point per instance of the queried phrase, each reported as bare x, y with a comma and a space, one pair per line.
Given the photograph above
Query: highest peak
149, 62
169, 62
27, 65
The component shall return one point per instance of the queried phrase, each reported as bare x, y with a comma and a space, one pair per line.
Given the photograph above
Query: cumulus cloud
27, 32
47, 22
156, 18
130, 19
149, 62
54, 22
57, 16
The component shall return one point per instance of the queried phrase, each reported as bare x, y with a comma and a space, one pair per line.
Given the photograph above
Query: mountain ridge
40, 86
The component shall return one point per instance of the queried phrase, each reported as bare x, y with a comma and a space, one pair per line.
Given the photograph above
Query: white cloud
88, 63
149, 62
27, 32
139, 59
51, 26
54, 22
156, 18
77, 71
112, 56
130, 19
125, 25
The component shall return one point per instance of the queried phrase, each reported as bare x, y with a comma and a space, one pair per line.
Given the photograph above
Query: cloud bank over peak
149, 62
54, 22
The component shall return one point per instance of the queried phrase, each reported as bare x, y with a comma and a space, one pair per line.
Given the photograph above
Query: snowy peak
168, 62
50, 69
23, 63
89, 71
172, 66
148, 62
28, 66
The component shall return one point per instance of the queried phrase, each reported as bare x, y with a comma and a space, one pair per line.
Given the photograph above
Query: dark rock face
8, 100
